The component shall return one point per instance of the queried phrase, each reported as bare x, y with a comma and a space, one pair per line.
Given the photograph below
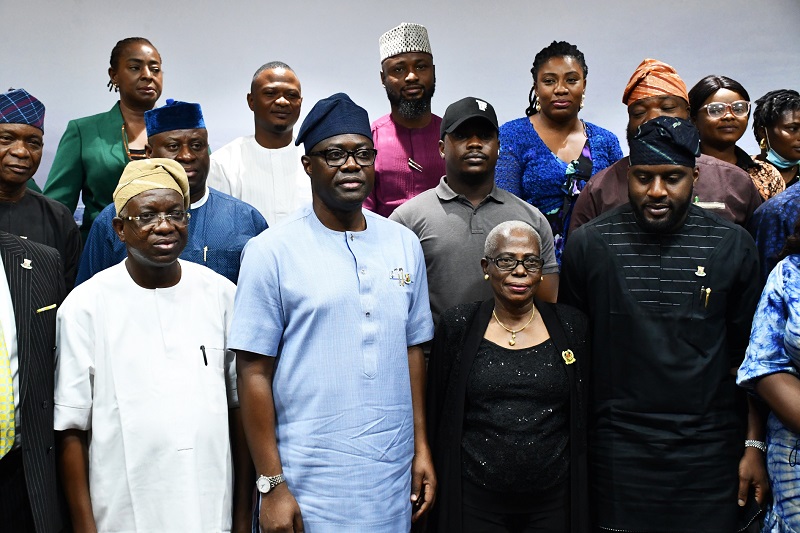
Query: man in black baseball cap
453, 219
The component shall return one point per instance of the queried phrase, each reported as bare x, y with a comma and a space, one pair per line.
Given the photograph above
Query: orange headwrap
654, 78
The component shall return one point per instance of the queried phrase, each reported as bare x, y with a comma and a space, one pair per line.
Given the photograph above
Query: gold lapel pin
568, 356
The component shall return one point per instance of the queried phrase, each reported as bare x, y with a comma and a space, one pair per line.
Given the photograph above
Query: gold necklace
513, 332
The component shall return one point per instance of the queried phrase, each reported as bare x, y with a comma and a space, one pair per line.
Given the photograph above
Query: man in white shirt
144, 382
264, 169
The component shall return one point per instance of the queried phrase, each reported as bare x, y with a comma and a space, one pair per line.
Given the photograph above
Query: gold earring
486, 276
537, 106
541, 278
762, 143
583, 100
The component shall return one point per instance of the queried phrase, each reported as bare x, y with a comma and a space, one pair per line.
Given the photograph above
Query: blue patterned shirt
775, 347
219, 228
771, 223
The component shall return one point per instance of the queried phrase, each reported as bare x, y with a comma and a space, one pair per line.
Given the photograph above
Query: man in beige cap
407, 139
143, 368
655, 90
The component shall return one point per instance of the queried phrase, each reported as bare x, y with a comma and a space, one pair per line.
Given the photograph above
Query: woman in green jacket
94, 150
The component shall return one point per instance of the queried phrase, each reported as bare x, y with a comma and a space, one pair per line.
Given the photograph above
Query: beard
411, 109
668, 224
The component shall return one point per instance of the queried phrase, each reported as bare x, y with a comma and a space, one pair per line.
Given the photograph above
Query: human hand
279, 512
753, 472
423, 484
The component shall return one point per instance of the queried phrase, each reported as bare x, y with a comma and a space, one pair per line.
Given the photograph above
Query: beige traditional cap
405, 38
148, 174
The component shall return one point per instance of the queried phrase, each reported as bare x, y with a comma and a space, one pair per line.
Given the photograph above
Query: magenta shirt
395, 180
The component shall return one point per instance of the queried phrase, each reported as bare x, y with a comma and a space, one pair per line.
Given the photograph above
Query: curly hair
555, 49
707, 86
771, 106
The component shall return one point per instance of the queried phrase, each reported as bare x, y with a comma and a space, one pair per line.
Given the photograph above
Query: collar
446, 194
202, 201
743, 160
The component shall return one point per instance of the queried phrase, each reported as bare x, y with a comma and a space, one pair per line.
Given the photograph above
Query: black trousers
15, 509
542, 513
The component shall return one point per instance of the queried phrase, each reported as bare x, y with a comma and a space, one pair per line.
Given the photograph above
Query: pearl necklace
514, 332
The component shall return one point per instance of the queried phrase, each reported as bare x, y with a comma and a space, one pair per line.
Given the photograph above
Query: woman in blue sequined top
547, 156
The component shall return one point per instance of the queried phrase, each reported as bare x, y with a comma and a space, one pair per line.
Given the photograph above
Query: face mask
778, 160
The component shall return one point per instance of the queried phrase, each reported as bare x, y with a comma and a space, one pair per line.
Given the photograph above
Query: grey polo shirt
453, 233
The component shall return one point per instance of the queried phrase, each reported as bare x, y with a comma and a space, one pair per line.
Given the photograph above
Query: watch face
263, 485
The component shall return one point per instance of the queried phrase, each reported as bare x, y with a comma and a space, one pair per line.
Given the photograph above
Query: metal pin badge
26, 264
701, 272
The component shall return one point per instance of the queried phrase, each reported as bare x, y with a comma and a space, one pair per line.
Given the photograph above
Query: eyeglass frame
728, 108
159, 218
348, 155
518, 262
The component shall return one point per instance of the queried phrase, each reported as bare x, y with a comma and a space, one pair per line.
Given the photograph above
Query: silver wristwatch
264, 484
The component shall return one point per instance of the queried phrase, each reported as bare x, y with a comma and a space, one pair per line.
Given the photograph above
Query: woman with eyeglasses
720, 108
776, 124
770, 368
94, 150
506, 408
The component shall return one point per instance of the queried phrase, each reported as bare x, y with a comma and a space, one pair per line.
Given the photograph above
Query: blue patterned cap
331, 116
18, 106
665, 141
174, 115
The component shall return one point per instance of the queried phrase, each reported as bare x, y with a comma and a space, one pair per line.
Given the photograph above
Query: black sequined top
516, 432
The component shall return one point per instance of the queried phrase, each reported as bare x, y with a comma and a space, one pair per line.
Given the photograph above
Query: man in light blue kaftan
220, 225
336, 298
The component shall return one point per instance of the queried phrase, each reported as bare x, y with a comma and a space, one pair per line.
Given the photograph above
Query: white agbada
271, 180
131, 371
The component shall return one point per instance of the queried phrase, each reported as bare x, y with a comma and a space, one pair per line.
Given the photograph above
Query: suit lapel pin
568, 356
26, 264
701, 272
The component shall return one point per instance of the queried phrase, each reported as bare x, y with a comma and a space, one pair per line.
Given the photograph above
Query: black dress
456, 343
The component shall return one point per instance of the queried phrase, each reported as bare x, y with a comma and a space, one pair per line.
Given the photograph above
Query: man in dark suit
30, 292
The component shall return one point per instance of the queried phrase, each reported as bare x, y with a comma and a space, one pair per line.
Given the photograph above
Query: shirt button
363, 271
44, 404
367, 314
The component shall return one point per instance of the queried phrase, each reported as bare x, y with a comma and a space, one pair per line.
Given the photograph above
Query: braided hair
771, 106
117, 51
555, 49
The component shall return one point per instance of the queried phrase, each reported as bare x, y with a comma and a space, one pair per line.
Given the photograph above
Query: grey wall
59, 50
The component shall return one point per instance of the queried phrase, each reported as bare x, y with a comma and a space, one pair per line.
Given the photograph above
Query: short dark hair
771, 106
707, 86
117, 50
269, 66
554, 49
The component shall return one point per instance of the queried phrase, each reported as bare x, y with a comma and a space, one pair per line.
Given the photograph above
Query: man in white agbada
144, 381
264, 169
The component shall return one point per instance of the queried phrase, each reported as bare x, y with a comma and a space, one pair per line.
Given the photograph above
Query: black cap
465, 109
665, 141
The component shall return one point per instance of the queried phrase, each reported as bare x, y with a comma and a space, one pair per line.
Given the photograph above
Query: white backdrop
59, 49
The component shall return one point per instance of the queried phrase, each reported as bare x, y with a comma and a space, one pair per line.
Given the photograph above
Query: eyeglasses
507, 263
336, 157
178, 219
739, 108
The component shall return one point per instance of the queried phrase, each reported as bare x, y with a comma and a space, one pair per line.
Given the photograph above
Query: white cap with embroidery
405, 38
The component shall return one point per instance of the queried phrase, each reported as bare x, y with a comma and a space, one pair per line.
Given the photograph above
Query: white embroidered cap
407, 37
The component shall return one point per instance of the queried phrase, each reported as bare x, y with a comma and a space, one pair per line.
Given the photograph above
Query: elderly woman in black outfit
506, 416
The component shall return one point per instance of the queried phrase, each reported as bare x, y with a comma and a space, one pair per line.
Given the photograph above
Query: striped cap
654, 78
18, 106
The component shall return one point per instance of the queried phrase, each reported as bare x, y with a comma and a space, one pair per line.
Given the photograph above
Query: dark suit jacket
33, 289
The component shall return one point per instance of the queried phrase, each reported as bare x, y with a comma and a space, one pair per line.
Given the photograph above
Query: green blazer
90, 159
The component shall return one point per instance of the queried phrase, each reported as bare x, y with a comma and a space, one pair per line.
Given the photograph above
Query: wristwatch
264, 484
